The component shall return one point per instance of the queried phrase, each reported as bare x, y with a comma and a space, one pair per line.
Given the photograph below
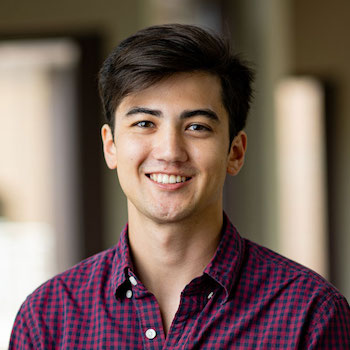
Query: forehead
178, 92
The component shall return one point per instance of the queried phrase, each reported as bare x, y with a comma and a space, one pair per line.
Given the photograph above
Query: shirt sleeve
330, 328
22, 337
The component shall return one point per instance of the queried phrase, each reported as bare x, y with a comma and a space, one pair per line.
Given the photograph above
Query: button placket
147, 309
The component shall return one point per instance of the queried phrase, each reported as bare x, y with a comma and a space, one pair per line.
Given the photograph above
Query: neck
167, 257
186, 246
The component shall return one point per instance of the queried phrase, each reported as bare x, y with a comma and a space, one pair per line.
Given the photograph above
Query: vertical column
302, 216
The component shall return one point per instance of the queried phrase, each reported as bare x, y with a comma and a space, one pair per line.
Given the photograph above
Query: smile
167, 179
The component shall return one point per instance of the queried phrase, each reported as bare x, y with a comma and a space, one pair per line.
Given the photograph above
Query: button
132, 280
129, 294
210, 295
151, 333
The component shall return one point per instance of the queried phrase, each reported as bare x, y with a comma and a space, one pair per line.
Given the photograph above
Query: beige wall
322, 48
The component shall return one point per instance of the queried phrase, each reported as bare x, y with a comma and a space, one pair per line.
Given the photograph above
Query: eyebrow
198, 112
184, 115
142, 110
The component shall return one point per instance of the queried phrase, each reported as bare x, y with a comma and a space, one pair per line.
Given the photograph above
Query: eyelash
200, 127
145, 124
149, 124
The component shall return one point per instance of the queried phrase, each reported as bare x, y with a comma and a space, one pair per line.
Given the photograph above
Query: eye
144, 124
198, 127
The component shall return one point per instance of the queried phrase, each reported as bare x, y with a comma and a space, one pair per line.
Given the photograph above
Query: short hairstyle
157, 52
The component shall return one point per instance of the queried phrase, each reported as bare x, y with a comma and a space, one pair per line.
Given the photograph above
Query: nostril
170, 149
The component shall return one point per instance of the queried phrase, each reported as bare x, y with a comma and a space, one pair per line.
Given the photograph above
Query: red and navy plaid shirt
247, 298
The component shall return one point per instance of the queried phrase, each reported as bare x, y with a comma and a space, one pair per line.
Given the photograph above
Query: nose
170, 145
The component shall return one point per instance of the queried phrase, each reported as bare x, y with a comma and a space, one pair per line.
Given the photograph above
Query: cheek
212, 159
130, 152
129, 155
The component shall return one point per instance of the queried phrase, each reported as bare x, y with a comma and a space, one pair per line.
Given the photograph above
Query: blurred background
60, 204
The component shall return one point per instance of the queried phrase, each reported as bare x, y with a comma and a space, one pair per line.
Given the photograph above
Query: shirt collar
121, 263
223, 268
226, 263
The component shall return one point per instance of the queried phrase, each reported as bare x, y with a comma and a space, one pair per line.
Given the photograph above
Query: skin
178, 126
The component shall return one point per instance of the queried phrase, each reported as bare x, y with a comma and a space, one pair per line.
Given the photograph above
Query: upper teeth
167, 179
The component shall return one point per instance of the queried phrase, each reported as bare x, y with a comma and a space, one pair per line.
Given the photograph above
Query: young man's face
170, 148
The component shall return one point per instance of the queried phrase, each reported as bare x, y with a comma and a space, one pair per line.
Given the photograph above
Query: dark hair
157, 52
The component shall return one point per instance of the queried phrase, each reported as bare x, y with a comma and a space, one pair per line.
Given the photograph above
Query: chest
200, 322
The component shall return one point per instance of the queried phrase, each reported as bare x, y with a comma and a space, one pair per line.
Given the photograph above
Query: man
181, 277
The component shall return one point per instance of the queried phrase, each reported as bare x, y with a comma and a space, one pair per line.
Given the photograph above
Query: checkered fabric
247, 298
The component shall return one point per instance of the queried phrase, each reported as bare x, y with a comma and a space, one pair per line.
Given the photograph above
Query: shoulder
292, 299
301, 286
69, 290
67, 296
91, 271
261, 260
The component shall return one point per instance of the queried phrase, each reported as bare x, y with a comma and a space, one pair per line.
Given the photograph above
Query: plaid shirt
247, 298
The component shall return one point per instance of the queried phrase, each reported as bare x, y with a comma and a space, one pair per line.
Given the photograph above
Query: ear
109, 148
237, 153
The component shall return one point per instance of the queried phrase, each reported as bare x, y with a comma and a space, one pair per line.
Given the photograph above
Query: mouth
167, 178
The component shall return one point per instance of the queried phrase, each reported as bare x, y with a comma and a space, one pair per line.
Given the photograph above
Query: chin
169, 215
